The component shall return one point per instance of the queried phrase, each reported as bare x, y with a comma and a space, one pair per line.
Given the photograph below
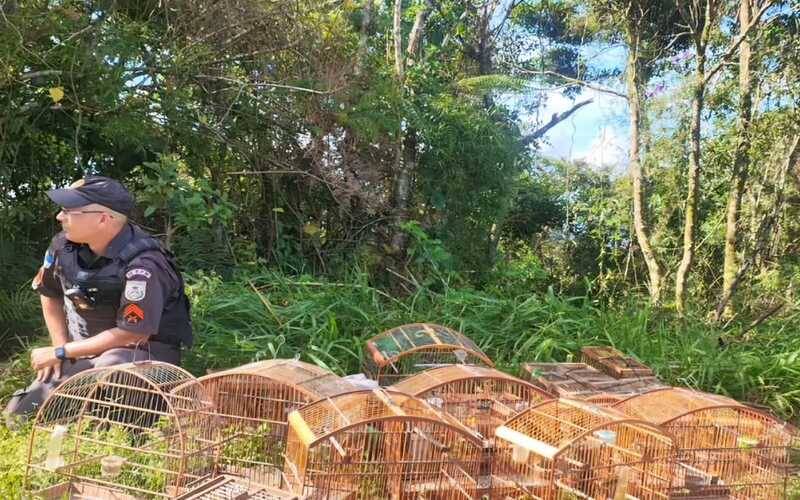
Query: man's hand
46, 373
44, 357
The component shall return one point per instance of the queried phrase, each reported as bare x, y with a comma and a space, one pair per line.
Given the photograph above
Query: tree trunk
405, 163
693, 194
701, 18
654, 267
765, 227
741, 162
397, 36
363, 36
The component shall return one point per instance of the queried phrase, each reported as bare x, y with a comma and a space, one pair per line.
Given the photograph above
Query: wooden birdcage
480, 398
612, 362
229, 487
725, 447
118, 432
571, 449
403, 351
253, 402
605, 399
381, 444
584, 382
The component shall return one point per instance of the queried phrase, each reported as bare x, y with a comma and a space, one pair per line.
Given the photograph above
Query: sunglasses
67, 211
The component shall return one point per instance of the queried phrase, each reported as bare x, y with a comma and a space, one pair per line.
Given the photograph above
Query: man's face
83, 223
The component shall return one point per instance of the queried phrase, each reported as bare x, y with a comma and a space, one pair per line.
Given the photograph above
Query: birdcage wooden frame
614, 363
408, 349
119, 432
232, 487
480, 398
253, 402
381, 444
567, 447
605, 399
725, 447
584, 382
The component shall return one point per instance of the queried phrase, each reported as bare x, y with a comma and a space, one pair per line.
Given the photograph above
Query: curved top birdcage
749, 450
562, 422
402, 351
669, 405
328, 416
380, 444
310, 381
253, 402
479, 397
705, 414
575, 448
122, 427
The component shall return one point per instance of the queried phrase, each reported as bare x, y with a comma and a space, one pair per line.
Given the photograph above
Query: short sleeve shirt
149, 285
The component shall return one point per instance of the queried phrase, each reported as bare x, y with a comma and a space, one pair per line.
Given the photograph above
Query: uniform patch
138, 272
135, 290
49, 259
132, 314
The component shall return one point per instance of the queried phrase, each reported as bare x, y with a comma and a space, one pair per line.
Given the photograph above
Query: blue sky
597, 133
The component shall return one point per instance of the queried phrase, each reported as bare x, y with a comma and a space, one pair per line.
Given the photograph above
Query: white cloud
573, 137
608, 150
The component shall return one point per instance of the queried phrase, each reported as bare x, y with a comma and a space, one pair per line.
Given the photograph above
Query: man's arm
103, 341
44, 357
55, 319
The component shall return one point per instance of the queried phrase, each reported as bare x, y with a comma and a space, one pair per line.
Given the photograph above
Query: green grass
267, 314
327, 324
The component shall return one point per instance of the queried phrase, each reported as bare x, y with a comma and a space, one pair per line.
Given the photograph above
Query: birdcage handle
141, 345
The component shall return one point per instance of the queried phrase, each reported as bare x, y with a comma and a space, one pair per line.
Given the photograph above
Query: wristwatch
61, 353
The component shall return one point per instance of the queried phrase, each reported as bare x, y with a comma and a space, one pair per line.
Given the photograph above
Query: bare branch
415, 37
738, 40
265, 84
554, 120
764, 316
574, 81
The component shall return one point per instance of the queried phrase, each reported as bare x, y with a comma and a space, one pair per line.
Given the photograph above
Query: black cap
94, 189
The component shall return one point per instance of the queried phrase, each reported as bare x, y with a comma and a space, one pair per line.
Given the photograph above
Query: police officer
110, 293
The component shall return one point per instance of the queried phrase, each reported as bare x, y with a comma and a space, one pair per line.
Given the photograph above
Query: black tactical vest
95, 294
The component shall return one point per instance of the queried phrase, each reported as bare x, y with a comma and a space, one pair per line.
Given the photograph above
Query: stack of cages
381, 444
118, 432
725, 449
586, 383
478, 397
571, 449
252, 403
403, 351
614, 363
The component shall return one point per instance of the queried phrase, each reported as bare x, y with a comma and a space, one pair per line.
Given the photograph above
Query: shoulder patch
132, 314
138, 272
49, 259
135, 290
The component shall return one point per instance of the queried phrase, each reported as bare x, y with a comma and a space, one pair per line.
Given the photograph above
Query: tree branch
415, 37
263, 84
575, 81
739, 39
554, 120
